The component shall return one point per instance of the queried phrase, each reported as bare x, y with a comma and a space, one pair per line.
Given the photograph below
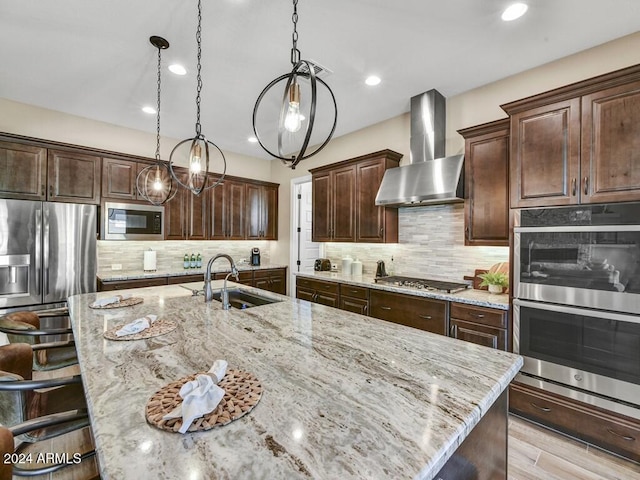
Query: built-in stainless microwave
127, 221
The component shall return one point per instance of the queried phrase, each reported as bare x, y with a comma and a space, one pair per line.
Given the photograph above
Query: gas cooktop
423, 284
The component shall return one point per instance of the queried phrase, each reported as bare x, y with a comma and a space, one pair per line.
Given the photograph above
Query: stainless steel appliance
255, 256
577, 302
47, 253
381, 271
124, 221
423, 284
322, 265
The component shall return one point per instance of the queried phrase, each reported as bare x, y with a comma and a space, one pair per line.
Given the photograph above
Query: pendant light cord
198, 76
295, 53
158, 110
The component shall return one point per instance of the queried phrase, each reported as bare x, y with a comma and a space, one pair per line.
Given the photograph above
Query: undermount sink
243, 299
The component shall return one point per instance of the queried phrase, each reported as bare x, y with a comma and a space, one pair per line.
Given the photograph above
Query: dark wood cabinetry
481, 325
23, 171
617, 433
424, 313
186, 214
577, 144
354, 299
274, 280
104, 286
73, 177
486, 205
343, 198
261, 212
227, 206
318, 291
119, 179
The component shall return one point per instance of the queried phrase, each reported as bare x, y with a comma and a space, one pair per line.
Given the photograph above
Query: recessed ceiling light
177, 69
372, 80
149, 110
252, 140
514, 11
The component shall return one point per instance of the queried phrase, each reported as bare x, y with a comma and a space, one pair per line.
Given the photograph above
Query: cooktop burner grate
423, 284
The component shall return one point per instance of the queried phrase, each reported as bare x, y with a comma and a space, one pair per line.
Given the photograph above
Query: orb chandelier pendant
298, 120
154, 182
197, 156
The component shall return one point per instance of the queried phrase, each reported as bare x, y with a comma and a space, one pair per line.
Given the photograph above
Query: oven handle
579, 228
576, 311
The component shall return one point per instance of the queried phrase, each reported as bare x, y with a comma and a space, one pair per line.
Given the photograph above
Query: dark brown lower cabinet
424, 313
606, 429
354, 299
318, 291
136, 283
481, 325
272, 280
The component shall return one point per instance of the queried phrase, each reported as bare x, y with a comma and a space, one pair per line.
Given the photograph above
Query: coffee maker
255, 257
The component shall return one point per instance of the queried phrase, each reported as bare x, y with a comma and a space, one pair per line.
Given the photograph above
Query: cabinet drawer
354, 292
479, 334
602, 428
423, 313
483, 315
138, 283
186, 279
319, 285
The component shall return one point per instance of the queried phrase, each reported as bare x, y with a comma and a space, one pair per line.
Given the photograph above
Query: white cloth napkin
103, 302
199, 396
136, 326
4, 339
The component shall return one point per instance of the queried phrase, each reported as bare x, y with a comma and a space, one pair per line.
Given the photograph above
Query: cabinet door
175, 212
369, 218
197, 215
545, 155
355, 305
304, 293
217, 215
23, 171
321, 195
73, 177
269, 213
329, 299
487, 186
479, 334
423, 313
235, 207
344, 204
119, 179
610, 156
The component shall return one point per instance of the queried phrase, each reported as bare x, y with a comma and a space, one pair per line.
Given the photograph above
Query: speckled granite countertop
345, 396
470, 296
115, 275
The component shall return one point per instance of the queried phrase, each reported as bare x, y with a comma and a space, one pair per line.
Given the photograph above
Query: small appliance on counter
381, 271
322, 265
255, 257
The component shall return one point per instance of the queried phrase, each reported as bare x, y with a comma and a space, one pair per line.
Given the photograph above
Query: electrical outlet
116, 266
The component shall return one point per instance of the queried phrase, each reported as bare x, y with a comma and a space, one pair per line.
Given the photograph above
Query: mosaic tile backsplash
430, 245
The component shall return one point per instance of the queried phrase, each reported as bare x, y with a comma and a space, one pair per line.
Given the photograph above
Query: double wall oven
576, 306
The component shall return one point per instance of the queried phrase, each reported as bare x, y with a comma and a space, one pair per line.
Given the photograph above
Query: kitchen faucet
208, 293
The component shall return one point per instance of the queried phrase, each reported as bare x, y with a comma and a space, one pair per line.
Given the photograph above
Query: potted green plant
496, 281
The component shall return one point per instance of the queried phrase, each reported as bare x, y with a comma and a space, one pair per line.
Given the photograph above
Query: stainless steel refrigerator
47, 253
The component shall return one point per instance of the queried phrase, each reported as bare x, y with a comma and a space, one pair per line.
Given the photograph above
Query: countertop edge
141, 275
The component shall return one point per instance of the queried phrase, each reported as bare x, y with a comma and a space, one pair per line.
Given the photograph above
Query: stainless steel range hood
430, 178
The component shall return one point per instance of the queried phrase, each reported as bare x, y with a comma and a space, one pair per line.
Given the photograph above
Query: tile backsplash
430, 244
170, 253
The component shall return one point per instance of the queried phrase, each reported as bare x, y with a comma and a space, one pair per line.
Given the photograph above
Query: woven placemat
122, 303
159, 327
242, 392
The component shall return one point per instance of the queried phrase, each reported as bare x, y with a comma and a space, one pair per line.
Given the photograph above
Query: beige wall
470, 108
31, 121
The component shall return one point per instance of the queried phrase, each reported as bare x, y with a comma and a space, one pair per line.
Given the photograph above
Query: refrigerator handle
38, 251
45, 252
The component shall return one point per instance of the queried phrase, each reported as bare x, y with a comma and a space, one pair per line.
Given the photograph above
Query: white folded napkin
103, 302
199, 396
4, 339
136, 326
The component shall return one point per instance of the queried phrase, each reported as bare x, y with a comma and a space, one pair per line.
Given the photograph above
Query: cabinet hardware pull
477, 315
354, 291
381, 231
43, 190
385, 308
426, 317
466, 232
573, 187
626, 437
586, 185
366, 309
50, 191
543, 409
453, 331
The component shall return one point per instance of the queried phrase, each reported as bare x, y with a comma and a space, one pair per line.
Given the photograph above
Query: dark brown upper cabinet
228, 205
486, 156
23, 171
186, 214
343, 200
73, 177
261, 212
577, 144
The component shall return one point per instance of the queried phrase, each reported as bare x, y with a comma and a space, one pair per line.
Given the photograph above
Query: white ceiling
93, 59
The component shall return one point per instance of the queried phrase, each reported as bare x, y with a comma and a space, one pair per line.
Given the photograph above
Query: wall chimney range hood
430, 178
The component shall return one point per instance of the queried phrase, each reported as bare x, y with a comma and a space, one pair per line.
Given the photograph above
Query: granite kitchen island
345, 396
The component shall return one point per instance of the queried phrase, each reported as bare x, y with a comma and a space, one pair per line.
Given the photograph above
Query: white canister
149, 262
356, 267
346, 265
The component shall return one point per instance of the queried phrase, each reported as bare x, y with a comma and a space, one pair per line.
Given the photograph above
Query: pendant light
296, 114
154, 183
197, 178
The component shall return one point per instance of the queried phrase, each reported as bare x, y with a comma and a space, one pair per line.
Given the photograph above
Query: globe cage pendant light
197, 178
154, 182
291, 118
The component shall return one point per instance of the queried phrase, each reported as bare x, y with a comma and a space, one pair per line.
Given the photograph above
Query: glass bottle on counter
192, 263
187, 262
199, 261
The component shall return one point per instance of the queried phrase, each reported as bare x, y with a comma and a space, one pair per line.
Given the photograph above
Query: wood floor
536, 453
